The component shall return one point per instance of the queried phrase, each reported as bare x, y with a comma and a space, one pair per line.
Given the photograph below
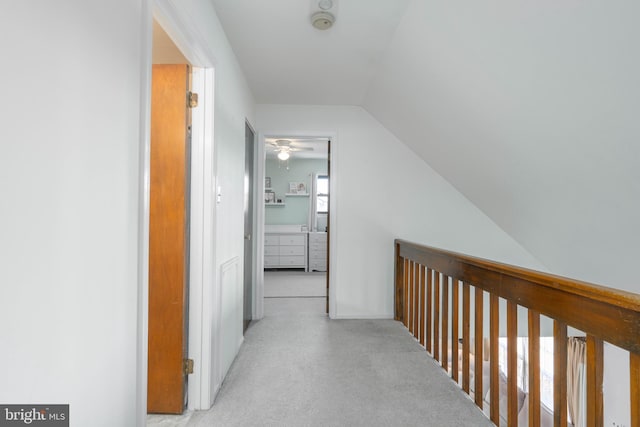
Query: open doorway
296, 177
191, 158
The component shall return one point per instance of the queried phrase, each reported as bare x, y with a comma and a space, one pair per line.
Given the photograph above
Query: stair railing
426, 276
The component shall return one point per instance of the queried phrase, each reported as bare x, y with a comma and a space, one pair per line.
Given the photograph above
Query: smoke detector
322, 20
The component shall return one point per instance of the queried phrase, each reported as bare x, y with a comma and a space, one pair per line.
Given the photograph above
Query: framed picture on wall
269, 197
297, 188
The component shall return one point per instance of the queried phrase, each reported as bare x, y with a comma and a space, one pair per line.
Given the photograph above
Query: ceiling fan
284, 147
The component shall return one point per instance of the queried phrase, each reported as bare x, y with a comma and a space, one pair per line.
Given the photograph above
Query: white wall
531, 110
386, 192
69, 166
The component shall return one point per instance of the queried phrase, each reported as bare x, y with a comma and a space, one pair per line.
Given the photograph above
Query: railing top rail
628, 300
610, 314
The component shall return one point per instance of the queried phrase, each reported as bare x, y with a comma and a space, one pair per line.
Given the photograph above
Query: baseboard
364, 316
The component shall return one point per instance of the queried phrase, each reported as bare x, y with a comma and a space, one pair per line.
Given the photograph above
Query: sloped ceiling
530, 109
287, 61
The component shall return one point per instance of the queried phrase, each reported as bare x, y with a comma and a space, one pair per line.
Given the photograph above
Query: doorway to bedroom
296, 224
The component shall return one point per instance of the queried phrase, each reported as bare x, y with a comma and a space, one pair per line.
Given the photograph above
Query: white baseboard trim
363, 316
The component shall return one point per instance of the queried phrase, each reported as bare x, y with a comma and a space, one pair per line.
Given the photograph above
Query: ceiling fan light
283, 155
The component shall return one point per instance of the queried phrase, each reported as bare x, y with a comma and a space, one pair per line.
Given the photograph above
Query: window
322, 194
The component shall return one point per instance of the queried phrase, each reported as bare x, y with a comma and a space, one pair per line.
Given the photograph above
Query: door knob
247, 237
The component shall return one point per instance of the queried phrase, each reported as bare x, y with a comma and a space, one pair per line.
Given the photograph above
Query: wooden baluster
634, 374
436, 316
412, 295
534, 369
466, 335
559, 373
422, 301
455, 332
399, 276
405, 292
445, 322
595, 360
479, 299
512, 363
429, 309
494, 326
416, 288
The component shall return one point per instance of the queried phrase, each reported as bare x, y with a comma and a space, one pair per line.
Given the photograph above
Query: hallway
298, 368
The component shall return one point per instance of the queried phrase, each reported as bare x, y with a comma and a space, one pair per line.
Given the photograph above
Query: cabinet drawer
318, 246
317, 266
271, 261
318, 238
271, 250
291, 250
271, 240
292, 260
317, 255
291, 240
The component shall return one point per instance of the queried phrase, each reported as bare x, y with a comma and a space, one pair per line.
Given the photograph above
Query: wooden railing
424, 278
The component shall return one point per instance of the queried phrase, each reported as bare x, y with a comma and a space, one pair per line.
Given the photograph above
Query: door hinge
192, 99
188, 366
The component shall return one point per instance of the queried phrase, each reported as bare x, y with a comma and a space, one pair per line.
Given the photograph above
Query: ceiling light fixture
283, 155
322, 20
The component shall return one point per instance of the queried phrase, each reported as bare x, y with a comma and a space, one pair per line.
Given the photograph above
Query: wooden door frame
203, 315
258, 294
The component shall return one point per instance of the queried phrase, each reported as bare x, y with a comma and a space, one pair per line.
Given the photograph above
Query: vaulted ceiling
287, 61
530, 109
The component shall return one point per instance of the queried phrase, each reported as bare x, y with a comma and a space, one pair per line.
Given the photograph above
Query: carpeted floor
292, 283
299, 368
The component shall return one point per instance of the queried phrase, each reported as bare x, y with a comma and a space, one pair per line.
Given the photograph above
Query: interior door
168, 239
248, 224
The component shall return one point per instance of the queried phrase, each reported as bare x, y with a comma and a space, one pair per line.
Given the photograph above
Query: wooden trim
512, 363
494, 331
412, 296
405, 292
399, 274
422, 301
478, 338
595, 362
445, 322
436, 316
455, 327
429, 308
534, 369
634, 376
466, 335
416, 295
559, 367
614, 315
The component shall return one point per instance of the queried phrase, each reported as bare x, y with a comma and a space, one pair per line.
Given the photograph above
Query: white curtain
576, 380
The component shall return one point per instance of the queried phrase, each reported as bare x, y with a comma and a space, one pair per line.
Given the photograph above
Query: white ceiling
287, 61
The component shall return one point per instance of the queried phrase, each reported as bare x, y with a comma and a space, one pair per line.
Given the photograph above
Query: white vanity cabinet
317, 251
285, 250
